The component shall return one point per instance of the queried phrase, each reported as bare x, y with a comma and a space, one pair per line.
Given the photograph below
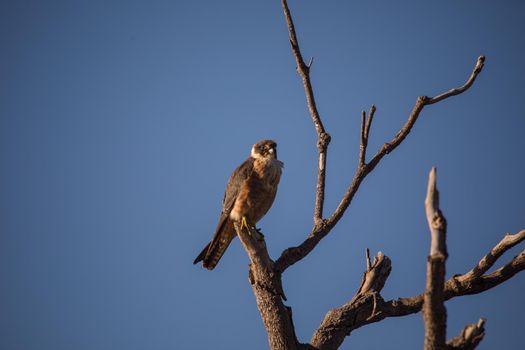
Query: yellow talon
244, 223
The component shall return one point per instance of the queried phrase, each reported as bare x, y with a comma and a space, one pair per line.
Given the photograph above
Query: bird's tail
212, 253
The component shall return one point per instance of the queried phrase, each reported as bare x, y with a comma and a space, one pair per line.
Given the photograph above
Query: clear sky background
121, 121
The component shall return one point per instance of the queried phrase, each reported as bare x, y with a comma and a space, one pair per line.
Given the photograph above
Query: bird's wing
237, 178
225, 232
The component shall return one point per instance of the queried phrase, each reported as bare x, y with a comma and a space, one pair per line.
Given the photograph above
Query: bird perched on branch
249, 195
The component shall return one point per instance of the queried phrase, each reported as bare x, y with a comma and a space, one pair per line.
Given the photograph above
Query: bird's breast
257, 193
269, 172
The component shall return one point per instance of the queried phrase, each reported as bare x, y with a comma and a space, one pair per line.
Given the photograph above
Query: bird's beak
273, 151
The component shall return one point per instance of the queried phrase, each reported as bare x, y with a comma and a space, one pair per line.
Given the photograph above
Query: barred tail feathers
202, 254
213, 252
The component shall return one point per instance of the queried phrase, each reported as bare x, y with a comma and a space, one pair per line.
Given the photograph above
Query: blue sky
121, 121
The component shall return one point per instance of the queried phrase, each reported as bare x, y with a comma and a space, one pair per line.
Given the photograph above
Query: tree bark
267, 288
434, 311
368, 306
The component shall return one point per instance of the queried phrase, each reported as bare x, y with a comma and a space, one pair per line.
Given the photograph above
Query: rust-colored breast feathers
257, 192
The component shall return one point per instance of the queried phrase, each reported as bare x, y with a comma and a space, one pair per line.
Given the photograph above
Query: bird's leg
252, 231
244, 223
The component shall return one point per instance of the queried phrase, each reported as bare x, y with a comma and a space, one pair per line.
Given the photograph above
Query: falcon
249, 195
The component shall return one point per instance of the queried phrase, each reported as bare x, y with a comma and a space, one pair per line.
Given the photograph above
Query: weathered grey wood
469, 337
337, 323
367, 306
434, 311
267, 288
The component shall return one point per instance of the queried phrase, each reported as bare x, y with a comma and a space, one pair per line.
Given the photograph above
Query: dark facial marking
263, 148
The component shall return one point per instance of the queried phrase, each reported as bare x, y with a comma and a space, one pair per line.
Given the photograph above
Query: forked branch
469, 338
366, 122
368, 306
323, 226
338, 322
459, 285
323, 138
488, 260
388, 147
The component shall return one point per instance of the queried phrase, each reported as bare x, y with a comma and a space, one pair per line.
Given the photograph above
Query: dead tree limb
335, 326
366, 122
454, 287
364, 308
488, 260
323, 226
323, 138
434, 311
367, 306
267, 288
469, 338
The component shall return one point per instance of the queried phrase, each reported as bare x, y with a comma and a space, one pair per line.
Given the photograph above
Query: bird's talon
244, 223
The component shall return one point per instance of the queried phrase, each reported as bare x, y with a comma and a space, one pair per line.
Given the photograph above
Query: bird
249, 194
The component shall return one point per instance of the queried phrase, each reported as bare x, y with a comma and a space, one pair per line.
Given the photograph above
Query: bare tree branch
475, 285
267, 288
388, 147
452, 92
469, 338
366, 122
434, 312
371, 113
488, 260
367, 305
335, 326
323, 138
370, 307
292, 255
321, 226
368, 261
454, 287
363, 141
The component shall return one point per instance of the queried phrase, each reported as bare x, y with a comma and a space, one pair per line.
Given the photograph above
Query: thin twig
363, 141
309, 65
366, 122
371, 113
368, 262
323, 138
452, 92
490, 258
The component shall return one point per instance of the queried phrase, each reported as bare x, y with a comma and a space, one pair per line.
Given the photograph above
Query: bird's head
265, 149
